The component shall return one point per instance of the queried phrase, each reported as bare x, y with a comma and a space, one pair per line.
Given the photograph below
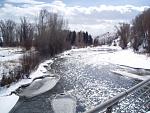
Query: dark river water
90, 84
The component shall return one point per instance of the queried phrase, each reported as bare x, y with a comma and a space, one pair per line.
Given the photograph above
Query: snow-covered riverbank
48, 83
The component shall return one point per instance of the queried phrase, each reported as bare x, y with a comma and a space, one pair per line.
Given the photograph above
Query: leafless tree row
49, 34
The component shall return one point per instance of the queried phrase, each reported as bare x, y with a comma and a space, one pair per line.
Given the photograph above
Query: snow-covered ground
10, 54
131, 59
116, 56
9, 59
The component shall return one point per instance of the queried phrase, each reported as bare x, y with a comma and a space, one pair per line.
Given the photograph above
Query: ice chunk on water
64, 104
7, 103
39, 86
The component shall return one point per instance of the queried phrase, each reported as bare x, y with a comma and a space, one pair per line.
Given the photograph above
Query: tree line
137, 33
49, 34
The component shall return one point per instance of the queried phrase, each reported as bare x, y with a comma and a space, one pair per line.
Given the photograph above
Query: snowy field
95, 59
9, 59
10, 54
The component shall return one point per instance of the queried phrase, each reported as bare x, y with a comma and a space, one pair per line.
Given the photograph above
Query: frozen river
86, 75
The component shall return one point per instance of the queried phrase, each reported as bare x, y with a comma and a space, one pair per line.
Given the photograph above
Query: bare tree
51, 34
123, 31
26, 33
146, 27
141, 31
8, 32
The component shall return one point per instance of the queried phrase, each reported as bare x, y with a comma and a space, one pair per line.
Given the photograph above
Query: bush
14, 75
29, 61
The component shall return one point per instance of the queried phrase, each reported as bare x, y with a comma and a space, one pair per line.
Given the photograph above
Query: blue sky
107, 2
94, 16
98, 2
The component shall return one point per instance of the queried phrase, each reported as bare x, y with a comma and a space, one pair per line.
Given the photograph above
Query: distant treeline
137, 33
79, 39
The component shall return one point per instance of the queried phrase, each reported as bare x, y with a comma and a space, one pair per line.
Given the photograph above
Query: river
90, 82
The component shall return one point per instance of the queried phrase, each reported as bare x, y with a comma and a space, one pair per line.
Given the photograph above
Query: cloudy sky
94, 16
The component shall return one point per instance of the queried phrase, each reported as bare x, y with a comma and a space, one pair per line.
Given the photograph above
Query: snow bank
41, 70
6, 91
64, 104
7, 103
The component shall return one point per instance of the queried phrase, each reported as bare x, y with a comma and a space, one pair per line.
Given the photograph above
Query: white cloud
59, 5
122, 9
95, 19
12, 12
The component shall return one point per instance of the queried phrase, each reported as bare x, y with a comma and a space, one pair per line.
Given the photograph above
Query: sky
94, 16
